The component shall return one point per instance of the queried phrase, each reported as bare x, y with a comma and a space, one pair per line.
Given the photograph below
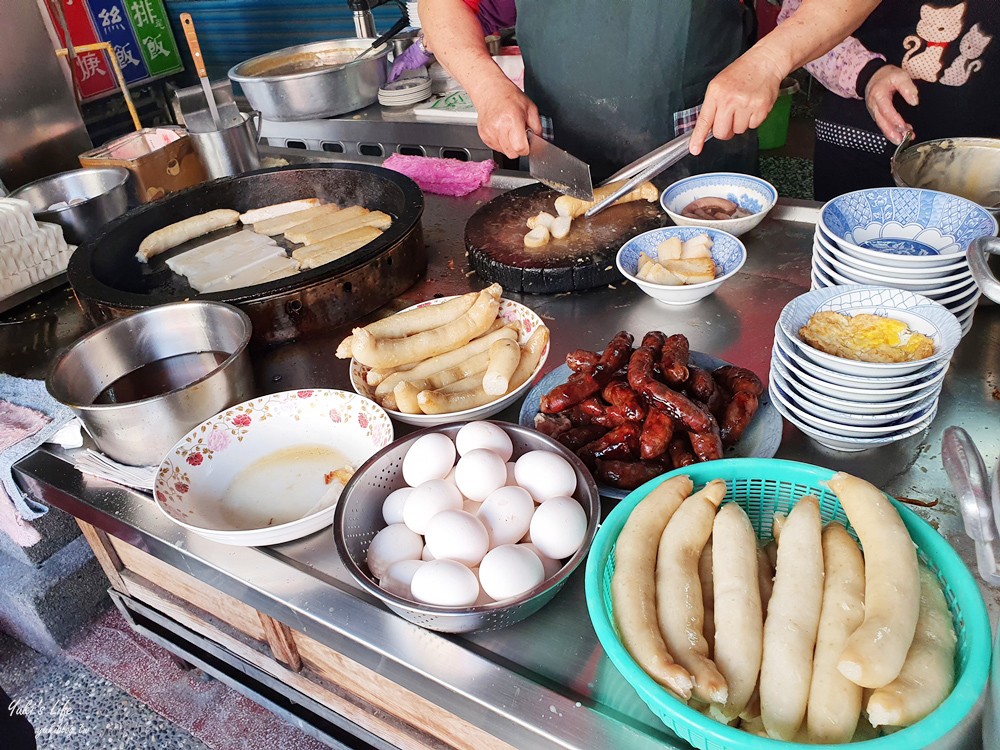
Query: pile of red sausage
632, 414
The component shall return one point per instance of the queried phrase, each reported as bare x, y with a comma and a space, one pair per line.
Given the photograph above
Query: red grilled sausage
682, 409
737, 416
628, 475
657, 432
674, 360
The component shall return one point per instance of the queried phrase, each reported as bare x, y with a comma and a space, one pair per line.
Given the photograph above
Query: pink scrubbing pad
442, 176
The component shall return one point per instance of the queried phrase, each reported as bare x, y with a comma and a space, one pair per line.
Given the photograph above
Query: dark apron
611, 74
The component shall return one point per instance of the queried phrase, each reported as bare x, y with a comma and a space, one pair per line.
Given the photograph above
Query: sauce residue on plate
282, 487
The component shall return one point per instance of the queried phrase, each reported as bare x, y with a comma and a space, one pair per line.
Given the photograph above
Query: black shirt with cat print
951, 51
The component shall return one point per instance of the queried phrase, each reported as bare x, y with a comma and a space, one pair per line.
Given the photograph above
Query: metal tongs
978, 496
645, 168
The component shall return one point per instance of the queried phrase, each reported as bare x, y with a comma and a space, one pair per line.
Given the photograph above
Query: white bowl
728, 253
878, 266
926, 286
961, 289
802, 398
850, 430
857, 390
750, 193
510, 311
905, 226
919, 313
820, 394
845, 443
281, 446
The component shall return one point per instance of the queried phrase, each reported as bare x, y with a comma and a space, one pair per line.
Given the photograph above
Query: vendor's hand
505, 113
883, 86
738, 98
413, 57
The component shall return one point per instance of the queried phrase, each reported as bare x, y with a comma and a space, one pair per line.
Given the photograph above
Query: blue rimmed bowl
750, 193
904, 227
728, 253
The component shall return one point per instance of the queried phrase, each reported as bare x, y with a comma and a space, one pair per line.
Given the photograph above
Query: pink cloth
838, 69
442, 176
16, 424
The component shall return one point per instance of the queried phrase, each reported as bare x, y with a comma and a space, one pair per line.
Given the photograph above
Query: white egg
506, 514
445, 583
457, 535
430, 457
511, 479
484, 435
510, 570
479, 472
397, 578
550, 566
544, 475
390, 545
392, 508
558, 527
429, 499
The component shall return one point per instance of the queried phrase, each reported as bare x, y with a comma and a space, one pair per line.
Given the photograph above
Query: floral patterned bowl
262, 472
512, 312
754, 195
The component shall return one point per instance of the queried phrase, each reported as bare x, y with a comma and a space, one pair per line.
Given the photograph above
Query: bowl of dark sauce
140, 383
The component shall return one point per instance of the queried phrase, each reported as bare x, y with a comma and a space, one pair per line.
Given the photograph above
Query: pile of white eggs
481, 530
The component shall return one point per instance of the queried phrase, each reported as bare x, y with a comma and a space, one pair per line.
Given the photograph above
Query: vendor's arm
853, 71
453, 33
741, 96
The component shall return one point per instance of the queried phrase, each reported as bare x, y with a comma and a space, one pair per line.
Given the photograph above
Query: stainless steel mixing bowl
967, 167
102, 190
313, 80
359, 517
140, 433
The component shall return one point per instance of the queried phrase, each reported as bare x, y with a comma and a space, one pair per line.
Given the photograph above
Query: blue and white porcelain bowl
822, 241
728, 253
750, 193
921, 314
946, 287
905, 226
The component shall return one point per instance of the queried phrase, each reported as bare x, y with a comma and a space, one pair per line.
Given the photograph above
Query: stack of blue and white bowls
851, 405
904, 238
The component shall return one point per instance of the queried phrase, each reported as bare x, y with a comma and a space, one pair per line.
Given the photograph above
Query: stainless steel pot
99, 191
231, 150
979, 252
141, 432
968, 167
313, 80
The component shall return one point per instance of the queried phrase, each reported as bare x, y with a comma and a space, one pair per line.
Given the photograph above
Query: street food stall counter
287, 625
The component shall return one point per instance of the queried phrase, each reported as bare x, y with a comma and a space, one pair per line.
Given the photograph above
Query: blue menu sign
113, 26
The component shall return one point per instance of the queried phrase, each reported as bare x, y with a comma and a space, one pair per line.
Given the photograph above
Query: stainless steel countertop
545, 681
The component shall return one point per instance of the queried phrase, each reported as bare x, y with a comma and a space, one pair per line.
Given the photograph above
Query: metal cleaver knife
559, 169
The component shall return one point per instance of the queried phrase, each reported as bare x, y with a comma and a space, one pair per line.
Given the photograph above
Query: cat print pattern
937, 29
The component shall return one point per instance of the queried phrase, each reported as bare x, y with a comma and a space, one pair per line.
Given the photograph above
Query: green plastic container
773, 132
763, 486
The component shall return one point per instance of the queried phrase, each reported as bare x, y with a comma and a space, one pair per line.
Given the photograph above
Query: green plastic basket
764, 486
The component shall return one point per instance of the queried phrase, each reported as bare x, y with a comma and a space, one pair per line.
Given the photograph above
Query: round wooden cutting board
494, 237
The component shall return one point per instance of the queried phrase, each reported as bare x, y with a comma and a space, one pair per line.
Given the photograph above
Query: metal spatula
559, 169
199, 64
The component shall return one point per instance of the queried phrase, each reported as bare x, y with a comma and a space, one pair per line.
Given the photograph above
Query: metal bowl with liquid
314, 80
967, 167
140, 383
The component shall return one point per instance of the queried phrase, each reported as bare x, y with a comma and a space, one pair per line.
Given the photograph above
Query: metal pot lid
106, 270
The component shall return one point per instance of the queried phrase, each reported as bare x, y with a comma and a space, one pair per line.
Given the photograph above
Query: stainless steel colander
359, 517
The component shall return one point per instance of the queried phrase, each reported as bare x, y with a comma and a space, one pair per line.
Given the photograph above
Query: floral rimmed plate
262, 472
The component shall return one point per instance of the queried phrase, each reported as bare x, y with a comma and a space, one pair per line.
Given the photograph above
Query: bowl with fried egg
870, 331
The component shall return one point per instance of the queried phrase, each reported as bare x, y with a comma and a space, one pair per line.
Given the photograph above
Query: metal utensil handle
903, 145
979, 250
187, 23
393, 30
648, 167
967, 473
681, 143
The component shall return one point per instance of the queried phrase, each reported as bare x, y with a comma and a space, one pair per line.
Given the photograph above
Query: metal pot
968, 167
140, 432
979, 252
231, 150
104, 198
315, 80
